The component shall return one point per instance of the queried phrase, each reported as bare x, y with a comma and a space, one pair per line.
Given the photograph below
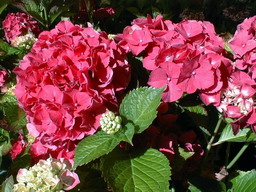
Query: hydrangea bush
91, 100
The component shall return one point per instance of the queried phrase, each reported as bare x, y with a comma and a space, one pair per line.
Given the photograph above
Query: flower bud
110, 123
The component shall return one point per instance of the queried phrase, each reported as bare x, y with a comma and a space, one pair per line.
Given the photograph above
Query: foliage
138, 109
184, 96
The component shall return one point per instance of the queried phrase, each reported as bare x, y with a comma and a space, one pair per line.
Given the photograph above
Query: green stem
209, 145
215, 132
46, 18
238, 155
227, 154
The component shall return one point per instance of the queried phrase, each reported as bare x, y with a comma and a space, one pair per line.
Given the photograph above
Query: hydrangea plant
160, 101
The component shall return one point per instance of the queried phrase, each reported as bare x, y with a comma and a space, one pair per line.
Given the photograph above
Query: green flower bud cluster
110, 123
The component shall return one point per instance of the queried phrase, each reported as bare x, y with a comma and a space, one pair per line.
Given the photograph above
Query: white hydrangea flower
25, 175
110, 123
20, 187
45, 176
24, 41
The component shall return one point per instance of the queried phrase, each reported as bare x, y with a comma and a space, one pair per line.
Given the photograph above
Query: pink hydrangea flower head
179, 55
16, 24
68, 79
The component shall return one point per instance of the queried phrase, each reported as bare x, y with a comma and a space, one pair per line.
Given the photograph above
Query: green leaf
193, 188
90, 180
4, 4
7, 185
137, 171
46, 3
227, 135
138, 110
31, 6
5, 144
141, 3
185, 154
55, 12
126, 133
203, 184
10, 109
140, 107
7, 98
21, 122
198, 114
101, 143
180, 159
94, 146
2, 8
156, 12
198, 109
13, 51
135, 11
14, 115
205, 131
9, 50
228, 48
22, 161
243, 181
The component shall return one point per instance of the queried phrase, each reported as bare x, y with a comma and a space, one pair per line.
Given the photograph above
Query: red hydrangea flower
18, 147
237, 99
243, 44
3, 77
16, 24
68, 79
247, 120
185, 57
166, 76
238, 94
137, 38
244, 39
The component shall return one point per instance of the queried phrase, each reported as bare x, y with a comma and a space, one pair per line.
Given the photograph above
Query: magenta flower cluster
185, 57
16, 24
243, 81
69, 78
188, 57
73, 74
